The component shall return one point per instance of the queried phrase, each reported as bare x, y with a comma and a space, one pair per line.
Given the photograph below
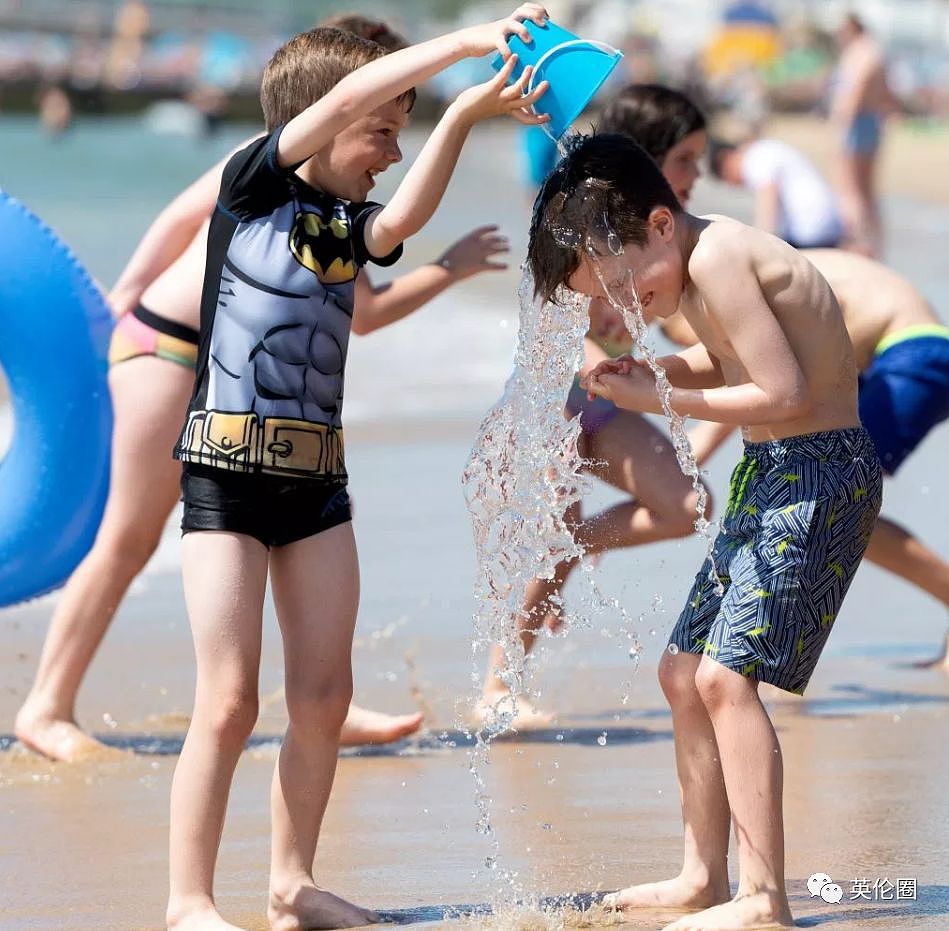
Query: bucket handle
602, 46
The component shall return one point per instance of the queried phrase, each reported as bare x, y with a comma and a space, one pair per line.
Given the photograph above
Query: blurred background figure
860, 101
792, 199
55, 110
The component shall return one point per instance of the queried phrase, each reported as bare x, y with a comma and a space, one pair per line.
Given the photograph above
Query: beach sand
587, 806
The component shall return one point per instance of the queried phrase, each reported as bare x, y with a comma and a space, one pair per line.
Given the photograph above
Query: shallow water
865, 752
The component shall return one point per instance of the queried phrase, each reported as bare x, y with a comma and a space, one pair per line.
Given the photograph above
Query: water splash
523, 473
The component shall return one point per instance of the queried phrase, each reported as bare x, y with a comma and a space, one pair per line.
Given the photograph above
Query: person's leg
632, 455
895, 549
703, 880
149, 396
225, 576
316, 592
754, 775
864, 175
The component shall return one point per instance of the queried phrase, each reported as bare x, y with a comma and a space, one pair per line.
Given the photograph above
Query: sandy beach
582, 808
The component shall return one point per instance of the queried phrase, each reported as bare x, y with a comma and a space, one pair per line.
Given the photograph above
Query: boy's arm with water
413, 204
387, 78
776, 391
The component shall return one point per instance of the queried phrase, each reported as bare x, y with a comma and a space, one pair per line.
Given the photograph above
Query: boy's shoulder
721, 241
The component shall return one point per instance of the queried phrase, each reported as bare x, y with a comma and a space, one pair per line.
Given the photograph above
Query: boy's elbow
796, 403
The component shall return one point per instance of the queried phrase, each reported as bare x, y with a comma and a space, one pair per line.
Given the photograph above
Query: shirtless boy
775, 358
902, 355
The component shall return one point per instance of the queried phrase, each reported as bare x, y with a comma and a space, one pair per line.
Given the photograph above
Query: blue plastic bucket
574, 67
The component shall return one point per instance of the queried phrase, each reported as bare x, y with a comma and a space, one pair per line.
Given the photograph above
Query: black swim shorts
273, 509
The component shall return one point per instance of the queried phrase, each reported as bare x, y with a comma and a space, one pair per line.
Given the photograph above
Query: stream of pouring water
523, 473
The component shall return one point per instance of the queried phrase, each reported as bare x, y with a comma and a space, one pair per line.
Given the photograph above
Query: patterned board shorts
799, 516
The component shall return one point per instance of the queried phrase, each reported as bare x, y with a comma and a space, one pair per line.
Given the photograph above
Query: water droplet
110, 722
601, 740
546, 826
559, 738
673, 649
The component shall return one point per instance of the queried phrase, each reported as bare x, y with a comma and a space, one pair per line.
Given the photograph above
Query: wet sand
865, 753
585, 807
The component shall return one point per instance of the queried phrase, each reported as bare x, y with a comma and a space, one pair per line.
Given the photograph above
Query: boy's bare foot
307, 907
760, 910
60, 739
206, 919
363, 726
940, 662
494, 705
670, 893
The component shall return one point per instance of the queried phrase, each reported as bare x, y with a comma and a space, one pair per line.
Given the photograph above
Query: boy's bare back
875, 300
734, 262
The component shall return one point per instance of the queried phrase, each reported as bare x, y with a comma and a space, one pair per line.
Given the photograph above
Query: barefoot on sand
205, 920
494, 705
308, 907
761, 910
61, 740
363, 726
65, 741
670, 893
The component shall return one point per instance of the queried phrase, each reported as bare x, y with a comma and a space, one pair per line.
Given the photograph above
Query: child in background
264, 477
774, 357
792, 200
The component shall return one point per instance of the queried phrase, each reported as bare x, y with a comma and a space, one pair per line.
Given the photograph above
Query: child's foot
363, 726
59, 739
495, 705
760, 910
670, 893
307, 908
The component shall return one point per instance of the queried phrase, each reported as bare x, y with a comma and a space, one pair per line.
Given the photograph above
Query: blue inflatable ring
54, 336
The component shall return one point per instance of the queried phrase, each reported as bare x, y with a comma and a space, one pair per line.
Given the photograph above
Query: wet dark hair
605, 184
718, 149
656, 116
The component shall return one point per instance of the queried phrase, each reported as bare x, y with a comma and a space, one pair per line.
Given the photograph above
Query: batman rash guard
276, 312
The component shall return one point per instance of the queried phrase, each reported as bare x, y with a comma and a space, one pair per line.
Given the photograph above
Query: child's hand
495, 97
625, 381
473, 253
479, 40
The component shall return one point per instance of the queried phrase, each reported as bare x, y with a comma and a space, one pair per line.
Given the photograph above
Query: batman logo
324, 248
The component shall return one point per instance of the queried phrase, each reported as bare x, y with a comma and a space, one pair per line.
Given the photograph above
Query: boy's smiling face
347, 167
653, 271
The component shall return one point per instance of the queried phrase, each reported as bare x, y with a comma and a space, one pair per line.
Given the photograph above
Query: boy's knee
682, 518
677, 678
320, 705
232, 717
718, 686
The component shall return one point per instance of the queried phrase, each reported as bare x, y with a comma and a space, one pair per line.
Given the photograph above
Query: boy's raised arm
420, 192
387, 78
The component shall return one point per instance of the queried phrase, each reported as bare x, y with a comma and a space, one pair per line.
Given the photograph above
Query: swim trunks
595, 414
799, 516
145, 333
904, 392
274, 509
863, 136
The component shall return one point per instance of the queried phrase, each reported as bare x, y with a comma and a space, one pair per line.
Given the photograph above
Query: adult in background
860, 100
